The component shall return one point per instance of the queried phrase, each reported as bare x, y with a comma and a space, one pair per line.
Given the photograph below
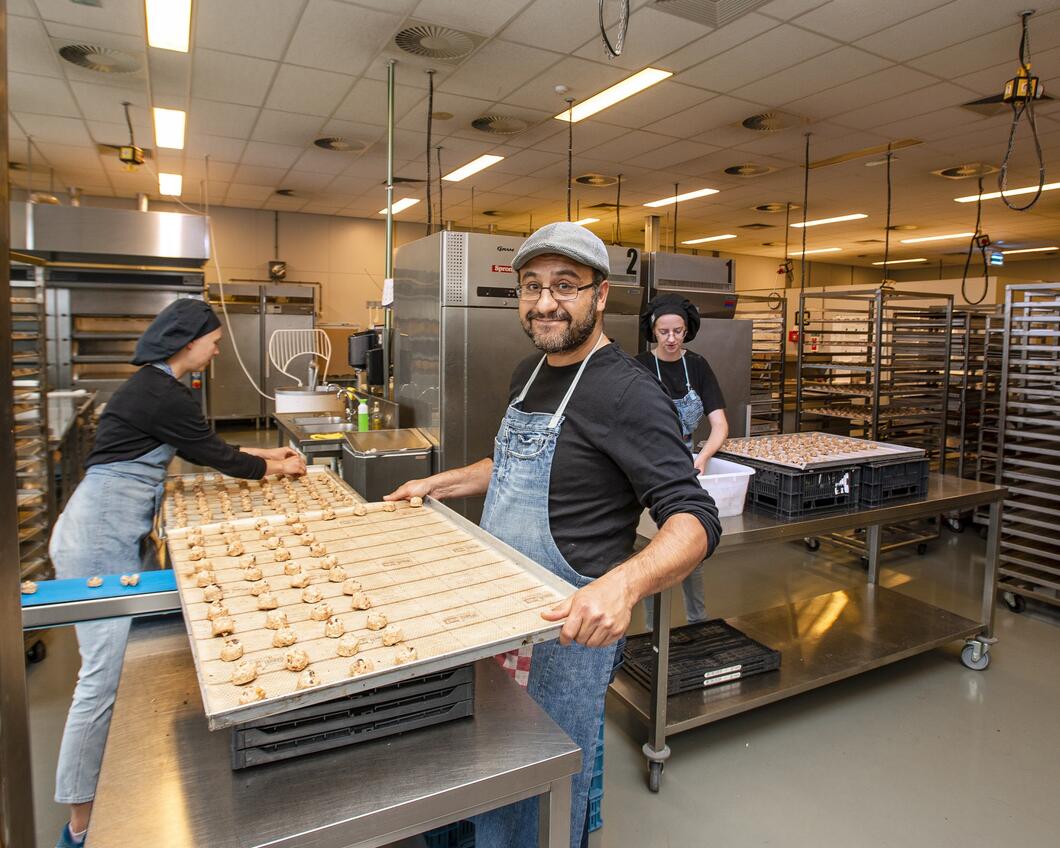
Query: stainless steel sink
338, 427
321, 419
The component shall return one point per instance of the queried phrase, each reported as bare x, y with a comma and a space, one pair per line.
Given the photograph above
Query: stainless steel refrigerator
457, 338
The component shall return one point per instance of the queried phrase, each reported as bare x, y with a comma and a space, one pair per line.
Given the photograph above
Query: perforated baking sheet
811, 451
456, 593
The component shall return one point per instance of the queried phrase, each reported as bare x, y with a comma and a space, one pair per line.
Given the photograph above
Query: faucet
346, 395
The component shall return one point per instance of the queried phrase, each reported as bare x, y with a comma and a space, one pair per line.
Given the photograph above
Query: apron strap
658, 373
558, 414
530, 382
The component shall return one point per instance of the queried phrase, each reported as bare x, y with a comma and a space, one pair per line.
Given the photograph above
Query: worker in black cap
671, 321
106, 525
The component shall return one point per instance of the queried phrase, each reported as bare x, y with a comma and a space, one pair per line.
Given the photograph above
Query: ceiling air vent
596, 180
104, 60
773, 208
499, 124
755, 226
442, 116
963, 172
285, 192
493, 213
749, 169
712, 13
903, 227
869, 241
607, 206
340, 145
772, 244
431, 41
769, 122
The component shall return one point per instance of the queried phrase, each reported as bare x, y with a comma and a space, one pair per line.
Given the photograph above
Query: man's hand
279, 454
412, 489
597, 614
293, 465
701, 464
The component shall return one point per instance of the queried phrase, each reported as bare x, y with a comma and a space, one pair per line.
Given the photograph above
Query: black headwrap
180, 323
670, 304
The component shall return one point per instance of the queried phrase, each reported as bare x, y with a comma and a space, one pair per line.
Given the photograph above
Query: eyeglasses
679, 333
561, 291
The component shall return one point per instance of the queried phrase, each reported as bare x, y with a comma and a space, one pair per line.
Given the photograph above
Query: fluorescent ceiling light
818, 250
899, 261
937, 238
472, 167
616, 93
586, 221
169, 24
170, 185
169, 128
835, 220
709, 238
688, 195
1029, 250
401, 205
994, 195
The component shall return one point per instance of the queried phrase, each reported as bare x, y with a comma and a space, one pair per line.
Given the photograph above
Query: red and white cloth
517, 664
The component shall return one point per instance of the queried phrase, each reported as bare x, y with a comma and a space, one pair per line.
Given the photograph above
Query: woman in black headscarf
106, 525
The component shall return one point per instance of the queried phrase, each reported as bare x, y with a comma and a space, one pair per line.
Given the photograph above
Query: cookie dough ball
389, 506
317, 550
292, 518
247, 561
300, 580
216, 610
349, 644
327, 515
292, 567
129, 580
231, 650
321, 612
337, 573
312, 595
245, 672
360, 509
212, 593
226, 527
272, 544
234, 549
94, 582
261, 523
195, 553
296, 659
223, 626
361, 601
334, 628
275, 619
282, 555
351, 586
377, 621
298, 528
205, 578
361, 665
267, 601
308, 679
405, 654
284, 638
392, 635
252, 574
415, 502
306, 539
251, 694
329, 562
266, 532
29, 587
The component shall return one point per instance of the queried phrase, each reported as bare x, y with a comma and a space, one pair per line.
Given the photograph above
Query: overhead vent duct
712, 13
103, 60
435, 42
748, 170
596, 180
499, 124
963, 172
770, 122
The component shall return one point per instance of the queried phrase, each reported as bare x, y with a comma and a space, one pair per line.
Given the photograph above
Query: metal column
388, 310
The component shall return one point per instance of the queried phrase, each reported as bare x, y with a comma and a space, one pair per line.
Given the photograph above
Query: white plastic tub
726, 482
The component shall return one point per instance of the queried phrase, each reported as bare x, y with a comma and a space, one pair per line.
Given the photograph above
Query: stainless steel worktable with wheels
167, 780
870, 626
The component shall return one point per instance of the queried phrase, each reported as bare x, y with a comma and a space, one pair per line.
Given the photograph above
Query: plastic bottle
362, 416
377, 417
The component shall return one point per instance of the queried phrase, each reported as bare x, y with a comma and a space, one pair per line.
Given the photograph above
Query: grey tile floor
920, 753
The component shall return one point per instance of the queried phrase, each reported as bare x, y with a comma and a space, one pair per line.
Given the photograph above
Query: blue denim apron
568, 682
689, 408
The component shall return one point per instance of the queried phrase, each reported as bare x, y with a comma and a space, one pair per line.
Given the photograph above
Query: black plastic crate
883, 483
704, 654
790, 493
410, 705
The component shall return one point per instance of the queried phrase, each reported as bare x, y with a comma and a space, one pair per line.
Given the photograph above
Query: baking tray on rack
860, 451
457, 593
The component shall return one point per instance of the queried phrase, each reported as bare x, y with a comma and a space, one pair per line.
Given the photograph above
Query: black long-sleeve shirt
619, 451
152, 408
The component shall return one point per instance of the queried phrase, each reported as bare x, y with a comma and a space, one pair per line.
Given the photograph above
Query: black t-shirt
619, 451
700, 376
152, 408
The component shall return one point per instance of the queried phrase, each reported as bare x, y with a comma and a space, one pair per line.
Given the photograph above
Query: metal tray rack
768, 316
1029, 444
988, 447
457, 593
875, 364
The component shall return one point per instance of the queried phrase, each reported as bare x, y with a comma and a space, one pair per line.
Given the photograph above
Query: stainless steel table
826, 638
166, 779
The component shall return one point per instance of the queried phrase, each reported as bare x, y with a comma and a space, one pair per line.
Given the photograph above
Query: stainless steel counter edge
73, 612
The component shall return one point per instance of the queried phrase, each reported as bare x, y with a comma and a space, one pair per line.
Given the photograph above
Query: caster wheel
654, 776
955, 525
922, 548
1015, 603
36, 652
968, 658
812, 544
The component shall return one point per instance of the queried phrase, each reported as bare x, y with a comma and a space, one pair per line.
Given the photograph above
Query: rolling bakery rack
768, 317
988, 451
875, 364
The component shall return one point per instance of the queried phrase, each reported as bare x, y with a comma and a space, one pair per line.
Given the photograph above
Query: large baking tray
459, 594
870, 452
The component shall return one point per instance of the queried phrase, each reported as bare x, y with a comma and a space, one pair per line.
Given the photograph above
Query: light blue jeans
695, 601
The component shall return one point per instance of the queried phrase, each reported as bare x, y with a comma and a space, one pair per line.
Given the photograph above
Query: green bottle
362, 416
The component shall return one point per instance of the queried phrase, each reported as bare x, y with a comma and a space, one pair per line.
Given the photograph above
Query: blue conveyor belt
76, 588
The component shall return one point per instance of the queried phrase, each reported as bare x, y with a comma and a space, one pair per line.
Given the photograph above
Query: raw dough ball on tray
212, 593
252, 694
245, 672
281, 555
284, 638
360, 601
223, 626
321, 612
267, 601
361, 665
350, 586
299, 580
296, 659
392, 635
377, 621
334, 628
275, 619
232, 650
405, 654
349, 644
308, 679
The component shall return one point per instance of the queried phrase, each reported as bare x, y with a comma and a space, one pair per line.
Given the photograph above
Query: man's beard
569, 338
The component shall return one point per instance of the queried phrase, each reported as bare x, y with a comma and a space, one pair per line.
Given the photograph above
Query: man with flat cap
588, 441
106, 525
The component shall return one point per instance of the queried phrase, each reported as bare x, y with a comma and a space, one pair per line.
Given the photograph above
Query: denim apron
568, 682
689, 408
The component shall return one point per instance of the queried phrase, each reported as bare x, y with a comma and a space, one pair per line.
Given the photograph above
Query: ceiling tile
339, 37
259, 28
219, 172
671, 156
41, 95
286, 128
724, 38
366, 102
853, 95
104, 103
248, 193
653, 35
307, 91
227, 119
113, 133
305, 181
354, 131
230, 78
498, 68
319, 161
711, 114
483, 18
938, 95
818, 74
29, 50
170, 72
523, 162
270, 155
582, 77
356, 186
628, 145
124, 16
215, 146
59, 130
587, 136
668, 98
848, 20
787, 9
259, 176
558, 24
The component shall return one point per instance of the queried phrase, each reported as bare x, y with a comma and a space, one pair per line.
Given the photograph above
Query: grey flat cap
567, 239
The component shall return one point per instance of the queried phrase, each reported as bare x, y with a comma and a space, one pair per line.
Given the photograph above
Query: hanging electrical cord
128, 122
676, 187
570, 152
614, 50
1020, 93
976, 241
441, 210
805, 211
430, 123
887, 227
786, 266
618, 211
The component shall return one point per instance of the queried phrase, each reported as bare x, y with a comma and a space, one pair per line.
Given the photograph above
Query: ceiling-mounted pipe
74, 194
388, 282
652, 228
141, 202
